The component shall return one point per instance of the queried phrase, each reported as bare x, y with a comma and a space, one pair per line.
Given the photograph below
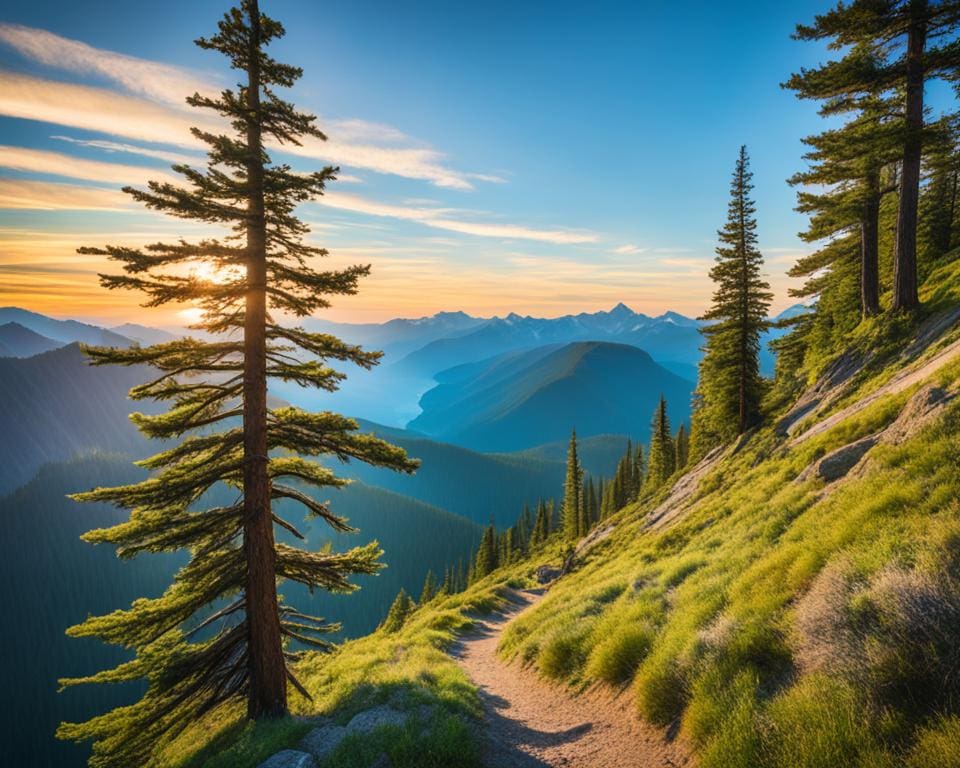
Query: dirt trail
532, 723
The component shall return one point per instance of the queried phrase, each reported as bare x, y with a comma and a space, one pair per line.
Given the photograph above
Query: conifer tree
486, 560
661, 463
638, 471
730, 389
430, 589
851, 167
915, 40
218, 391
572, 492
682, 443
541, 526
400, 610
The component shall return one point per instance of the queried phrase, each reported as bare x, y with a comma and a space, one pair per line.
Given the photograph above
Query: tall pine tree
661, 461
218, 392
730, 389
572, 492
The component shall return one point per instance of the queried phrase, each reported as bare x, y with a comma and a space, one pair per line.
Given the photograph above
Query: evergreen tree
572, 492
218, 391
938, 201
730, 389
914, 41
400, 609
851, 167
486, 560
638, 471
541, 526
661, 463
430, 589
682, 443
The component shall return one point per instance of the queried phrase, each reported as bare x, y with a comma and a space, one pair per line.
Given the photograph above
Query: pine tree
682, 443
430, 589
572, 492
541, 526
486, 560
400, 610
852, 168
730, 389
938, 201
638, 471
915, 41
662, 451
218, 391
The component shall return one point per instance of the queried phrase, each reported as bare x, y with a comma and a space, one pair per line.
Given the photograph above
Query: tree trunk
267, 694
905, 256
869, 248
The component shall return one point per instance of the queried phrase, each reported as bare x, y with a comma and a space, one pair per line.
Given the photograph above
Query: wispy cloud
58, 164
628, 249
162, 82
440, 218
115, 146
351, 142
50, 196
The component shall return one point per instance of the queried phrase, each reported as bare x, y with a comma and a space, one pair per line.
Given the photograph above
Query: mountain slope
19, 341
518, 401
64, 331
55, 405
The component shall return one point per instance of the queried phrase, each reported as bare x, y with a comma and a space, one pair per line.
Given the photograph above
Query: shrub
616, 657
661, 690
562, 655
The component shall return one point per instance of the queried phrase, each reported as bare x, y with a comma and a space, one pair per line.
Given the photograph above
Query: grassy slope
708, 621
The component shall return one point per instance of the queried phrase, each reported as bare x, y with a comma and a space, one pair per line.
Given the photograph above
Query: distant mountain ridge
64, 331
19, 341
55, 405
517, 401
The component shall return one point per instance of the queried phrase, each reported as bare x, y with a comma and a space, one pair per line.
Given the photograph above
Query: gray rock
289, 758
547, 573
366, 721
838, 463
322, 741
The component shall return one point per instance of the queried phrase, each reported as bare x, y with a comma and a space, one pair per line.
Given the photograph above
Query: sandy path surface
532, 723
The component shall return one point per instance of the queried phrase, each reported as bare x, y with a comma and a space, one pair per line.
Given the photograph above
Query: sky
540, 158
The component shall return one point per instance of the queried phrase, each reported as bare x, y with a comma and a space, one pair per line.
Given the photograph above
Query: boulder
289, 758
322, 741
839, 462
547, 573
371, 719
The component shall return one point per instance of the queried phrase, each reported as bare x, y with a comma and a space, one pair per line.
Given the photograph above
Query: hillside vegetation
791, 601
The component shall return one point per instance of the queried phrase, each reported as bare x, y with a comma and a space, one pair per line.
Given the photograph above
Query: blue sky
541, 158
